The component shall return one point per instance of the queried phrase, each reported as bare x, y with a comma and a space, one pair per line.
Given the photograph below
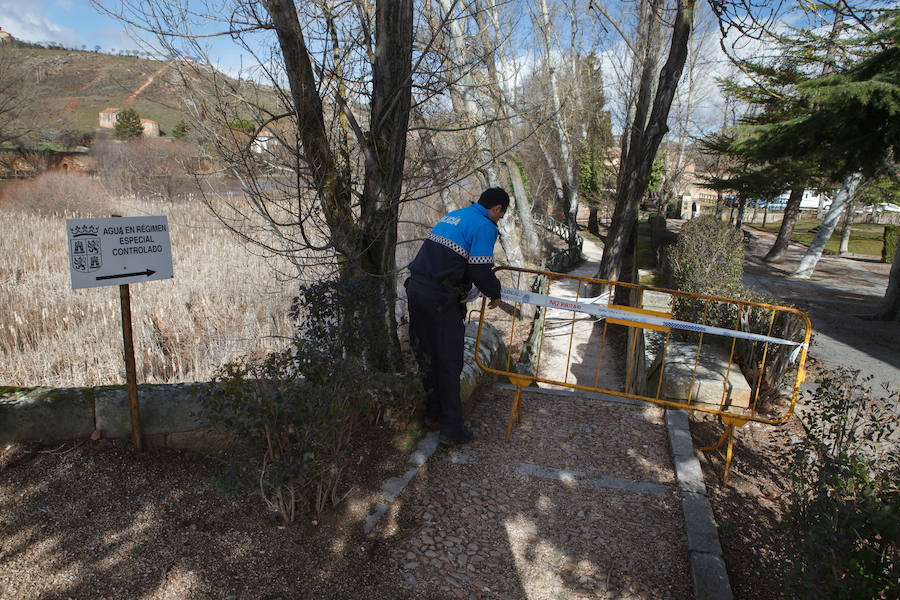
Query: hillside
66, 89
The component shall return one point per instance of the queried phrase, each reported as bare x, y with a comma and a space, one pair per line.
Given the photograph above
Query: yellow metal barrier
697, 322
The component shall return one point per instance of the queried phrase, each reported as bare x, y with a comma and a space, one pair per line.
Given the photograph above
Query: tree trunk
554, 173
890, 306
569, 166
532, 240
467, 89
491, 50
645, 142
380, 202
814, 252
791, 214
848, 225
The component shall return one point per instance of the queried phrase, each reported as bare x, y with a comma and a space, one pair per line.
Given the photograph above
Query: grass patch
865, 238
407, 440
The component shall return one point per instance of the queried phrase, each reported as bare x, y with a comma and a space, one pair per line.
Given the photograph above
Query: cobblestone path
581, 503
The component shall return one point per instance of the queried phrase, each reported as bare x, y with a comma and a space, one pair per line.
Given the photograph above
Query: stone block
709, 379
710, 577
680, 441
689, 474
46, 415
163, 409
700, 524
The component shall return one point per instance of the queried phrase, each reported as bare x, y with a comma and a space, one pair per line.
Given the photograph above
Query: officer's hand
494, 303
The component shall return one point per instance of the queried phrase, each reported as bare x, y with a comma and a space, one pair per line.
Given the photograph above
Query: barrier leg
728, 434
516, 411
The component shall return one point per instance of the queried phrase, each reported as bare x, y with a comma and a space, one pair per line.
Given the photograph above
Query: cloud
27, 21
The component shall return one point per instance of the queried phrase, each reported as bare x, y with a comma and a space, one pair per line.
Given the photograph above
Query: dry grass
222, 303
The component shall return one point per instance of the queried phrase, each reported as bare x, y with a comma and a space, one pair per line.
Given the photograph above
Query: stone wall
168, 412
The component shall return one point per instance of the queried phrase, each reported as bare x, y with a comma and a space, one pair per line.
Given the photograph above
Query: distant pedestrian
457, 253
695, 210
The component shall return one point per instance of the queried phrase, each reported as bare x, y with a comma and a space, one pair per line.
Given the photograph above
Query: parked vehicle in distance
756, 203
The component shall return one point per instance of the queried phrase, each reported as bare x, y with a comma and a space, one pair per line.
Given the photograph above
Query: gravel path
580, 503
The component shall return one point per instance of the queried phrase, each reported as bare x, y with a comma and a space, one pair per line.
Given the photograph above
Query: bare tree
335, 195
566, 171
648, 125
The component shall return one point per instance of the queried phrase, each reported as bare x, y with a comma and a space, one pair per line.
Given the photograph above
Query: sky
72, 23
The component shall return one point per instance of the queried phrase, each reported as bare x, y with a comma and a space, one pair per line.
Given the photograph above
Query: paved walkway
583, 502
841, 291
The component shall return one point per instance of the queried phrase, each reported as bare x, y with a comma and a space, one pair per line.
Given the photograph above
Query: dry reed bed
223, 302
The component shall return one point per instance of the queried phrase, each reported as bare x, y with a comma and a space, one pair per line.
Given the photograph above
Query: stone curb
708, 570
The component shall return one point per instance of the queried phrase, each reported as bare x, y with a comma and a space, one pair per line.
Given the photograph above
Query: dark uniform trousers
437, 334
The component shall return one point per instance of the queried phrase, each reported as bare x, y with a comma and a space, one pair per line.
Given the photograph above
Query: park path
580, 503
841, 292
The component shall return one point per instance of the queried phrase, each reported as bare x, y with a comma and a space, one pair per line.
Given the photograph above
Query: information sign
118, 250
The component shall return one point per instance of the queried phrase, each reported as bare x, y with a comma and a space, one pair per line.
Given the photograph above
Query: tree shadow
98, 520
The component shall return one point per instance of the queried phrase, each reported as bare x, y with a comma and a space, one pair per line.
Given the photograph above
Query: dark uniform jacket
458, 252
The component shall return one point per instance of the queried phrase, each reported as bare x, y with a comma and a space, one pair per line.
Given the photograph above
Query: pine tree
847, 123
128, 125
181, 130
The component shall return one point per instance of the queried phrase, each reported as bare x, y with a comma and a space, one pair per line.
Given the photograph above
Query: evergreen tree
128, 125
595, 173
181, 130
848, 124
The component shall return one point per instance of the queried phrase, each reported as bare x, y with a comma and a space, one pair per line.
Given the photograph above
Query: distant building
108, 117
151, 128
108, 121
263, 142
5, 38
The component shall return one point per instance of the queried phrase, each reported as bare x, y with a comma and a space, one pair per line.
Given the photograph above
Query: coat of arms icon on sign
86, 248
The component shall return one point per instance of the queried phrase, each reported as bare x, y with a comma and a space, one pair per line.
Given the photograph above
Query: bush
295, 412
842, 515
891, 241
58, 193
708, 258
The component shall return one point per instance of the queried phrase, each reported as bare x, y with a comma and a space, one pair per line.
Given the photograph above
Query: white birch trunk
814, 252
532, 241
569, 181
467, 94
848, 225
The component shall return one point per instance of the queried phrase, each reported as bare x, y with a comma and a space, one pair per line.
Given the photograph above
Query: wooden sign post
121, 250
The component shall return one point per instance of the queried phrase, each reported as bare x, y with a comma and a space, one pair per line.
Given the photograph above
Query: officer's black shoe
431, 424
465, 435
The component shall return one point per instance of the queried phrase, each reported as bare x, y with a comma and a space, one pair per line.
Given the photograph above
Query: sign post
134, 409
120, 251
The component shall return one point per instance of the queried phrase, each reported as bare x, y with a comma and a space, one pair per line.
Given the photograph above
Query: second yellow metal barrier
749, 331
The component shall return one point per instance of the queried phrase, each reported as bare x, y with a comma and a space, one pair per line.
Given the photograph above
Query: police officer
458, 252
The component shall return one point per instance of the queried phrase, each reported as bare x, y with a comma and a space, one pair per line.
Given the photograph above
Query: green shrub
708, 258
295, 412
891, 241
842, 509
